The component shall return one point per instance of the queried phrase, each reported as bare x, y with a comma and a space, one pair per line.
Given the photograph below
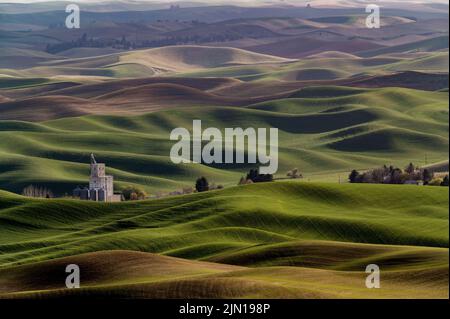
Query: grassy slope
144, 63
328, 67
311, 233
40, 229
430, 45
196, 61
323, 130
308, 240
435, 62
307, 69
154, 276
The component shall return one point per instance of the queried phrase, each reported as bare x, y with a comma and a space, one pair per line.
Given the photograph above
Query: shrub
410, 168
436, 182
133, 193
396, 176
202, 185
427, 176
445, 181
353, 177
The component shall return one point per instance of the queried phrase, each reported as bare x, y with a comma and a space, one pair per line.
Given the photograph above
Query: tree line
124, 44
395, 175
37, 192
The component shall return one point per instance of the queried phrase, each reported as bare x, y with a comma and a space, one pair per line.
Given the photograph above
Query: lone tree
202, 185
353, 177
410, 168
427, 176
252, 175
397, 176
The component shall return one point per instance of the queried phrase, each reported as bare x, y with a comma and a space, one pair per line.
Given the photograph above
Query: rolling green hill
108, 274
342, 97
202, 61
428, 45
139, 63
324, 131
211, 226
328, 67
303, 230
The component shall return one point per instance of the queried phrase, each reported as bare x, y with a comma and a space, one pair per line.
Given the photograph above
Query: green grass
435, 62
428, 45
276, 240
108, 274
323, 131
210, 226
15, 83
243, 65
314, 69
286, 239
319, 68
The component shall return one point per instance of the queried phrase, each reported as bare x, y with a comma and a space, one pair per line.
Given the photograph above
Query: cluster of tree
439, 181
124, 44
191, 39
133, 193
85, 42
191, 22
392, 175
38, 192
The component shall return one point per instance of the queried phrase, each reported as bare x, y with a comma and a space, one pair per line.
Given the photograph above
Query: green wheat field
343, 98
